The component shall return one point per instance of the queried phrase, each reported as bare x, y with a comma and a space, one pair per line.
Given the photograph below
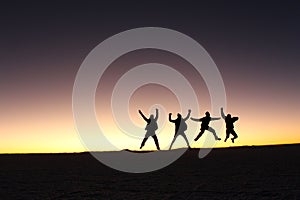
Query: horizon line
145, 151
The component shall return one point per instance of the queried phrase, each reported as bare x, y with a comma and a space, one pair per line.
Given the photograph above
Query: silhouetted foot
218, 138
225, 140
232, 140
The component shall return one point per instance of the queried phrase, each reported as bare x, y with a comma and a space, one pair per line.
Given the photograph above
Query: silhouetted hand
140, 111
170, 113
156, 110
189, 110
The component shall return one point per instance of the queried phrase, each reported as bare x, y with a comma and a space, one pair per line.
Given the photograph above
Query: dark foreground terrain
271, 172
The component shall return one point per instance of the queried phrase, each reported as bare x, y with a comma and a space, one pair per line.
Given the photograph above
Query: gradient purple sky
255, 45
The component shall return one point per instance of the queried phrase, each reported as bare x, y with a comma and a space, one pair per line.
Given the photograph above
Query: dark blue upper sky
33, 33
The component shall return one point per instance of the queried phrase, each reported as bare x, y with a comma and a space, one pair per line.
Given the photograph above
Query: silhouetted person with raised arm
180, 127
150, 128
204, 125
229, 125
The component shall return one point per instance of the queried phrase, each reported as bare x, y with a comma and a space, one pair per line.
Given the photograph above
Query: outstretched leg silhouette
173, 141
227, 135
144, 141
186, 140
234, 136
199, 135
210, 129
156, 141
228, 132
184, 137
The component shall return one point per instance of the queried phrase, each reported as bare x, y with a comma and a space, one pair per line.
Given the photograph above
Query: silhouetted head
179, 115
229, 116
151, 117
207, 114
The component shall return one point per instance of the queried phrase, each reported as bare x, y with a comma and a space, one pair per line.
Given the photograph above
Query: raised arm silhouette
180, 127
229, 125
205, 125
150, 128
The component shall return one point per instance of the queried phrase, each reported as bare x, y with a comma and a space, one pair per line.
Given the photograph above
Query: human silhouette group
181, 127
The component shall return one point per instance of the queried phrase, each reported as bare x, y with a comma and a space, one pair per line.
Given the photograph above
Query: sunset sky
256, 47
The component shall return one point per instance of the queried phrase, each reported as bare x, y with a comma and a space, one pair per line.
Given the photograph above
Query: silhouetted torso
151, 125
229, 122
180, 125
205, 122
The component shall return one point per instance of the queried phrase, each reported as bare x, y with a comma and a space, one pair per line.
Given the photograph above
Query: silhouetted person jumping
204, 125
229, 125
150, 128
180, 127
